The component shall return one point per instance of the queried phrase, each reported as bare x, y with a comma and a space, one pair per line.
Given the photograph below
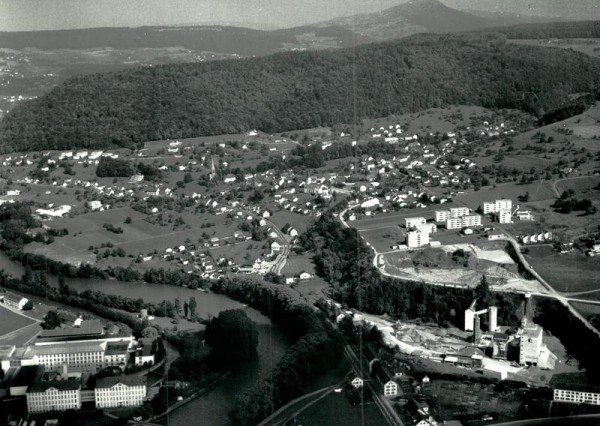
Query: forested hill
297, 90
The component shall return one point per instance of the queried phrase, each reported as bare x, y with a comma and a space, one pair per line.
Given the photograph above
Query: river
213, 408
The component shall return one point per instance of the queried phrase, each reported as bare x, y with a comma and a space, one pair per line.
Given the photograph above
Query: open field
383, 238
589, 46
586, 309
537, 191
335, 409
584, 187
472, 398
298, 263
12, 321
569, 272
431, 120
299, 221
242, 252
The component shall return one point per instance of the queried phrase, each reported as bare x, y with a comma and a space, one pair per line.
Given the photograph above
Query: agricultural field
383, 238
584, 187
449, 397
538, 191
588, 310
299, 221
12, 321
567, 273
241, 252
335, 409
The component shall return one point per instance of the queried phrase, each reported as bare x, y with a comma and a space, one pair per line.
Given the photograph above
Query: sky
28, 15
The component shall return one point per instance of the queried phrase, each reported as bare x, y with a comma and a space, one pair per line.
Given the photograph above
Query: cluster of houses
542, 237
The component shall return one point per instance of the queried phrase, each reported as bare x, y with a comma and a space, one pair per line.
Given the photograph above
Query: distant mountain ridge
418, 16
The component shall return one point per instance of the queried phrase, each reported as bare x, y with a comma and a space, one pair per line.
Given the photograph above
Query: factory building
530, 344
577, 394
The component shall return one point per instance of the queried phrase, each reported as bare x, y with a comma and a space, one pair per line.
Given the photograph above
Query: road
389, 413
555, 183
279, 262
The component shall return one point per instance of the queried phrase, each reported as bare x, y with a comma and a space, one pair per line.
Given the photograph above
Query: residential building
577, 394
357, 382
411, 222
417, 239
94, 205
390, 388
442, 215
471, 220
456, 223
459, 212
504, 216
496, 206
428, 228
54, 395
120, 391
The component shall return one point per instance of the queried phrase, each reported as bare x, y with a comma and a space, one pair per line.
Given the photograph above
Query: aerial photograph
299, 212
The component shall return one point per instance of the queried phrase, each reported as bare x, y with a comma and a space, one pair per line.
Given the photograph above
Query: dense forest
297, 90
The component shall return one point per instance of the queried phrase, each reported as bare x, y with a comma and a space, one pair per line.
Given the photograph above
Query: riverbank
193, 396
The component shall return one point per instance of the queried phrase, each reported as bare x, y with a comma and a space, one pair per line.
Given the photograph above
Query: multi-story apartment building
504, 216
459, 212
496, 206
417, 239
578, 394
411, 222
442, 215
464, 222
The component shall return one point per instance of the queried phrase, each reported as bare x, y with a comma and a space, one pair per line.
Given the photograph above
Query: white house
390, 388
304, 276
357, 382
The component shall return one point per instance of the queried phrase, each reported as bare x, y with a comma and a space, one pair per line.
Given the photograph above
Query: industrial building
120, 391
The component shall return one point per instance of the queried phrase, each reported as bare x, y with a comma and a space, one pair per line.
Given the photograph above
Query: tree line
317, 348
296, 90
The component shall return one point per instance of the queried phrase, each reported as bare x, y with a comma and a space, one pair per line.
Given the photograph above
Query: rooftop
87, 329
109, 382
60, 385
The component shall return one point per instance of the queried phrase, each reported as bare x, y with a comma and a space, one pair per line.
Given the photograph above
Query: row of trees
317, 347
297, 90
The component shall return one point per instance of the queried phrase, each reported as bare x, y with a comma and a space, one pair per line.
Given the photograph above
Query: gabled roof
60, 385
109, 382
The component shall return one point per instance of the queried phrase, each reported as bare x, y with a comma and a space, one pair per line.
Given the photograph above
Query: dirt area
497, 256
